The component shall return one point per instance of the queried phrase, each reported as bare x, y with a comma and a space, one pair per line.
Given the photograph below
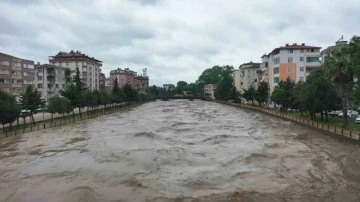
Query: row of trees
75, 95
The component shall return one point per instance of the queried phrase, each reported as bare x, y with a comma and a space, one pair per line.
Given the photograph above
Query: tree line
75, 95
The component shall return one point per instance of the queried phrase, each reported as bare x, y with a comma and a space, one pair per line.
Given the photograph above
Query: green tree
76, 93
234, 94
180, 86
31, 101
154, 90
250, 94
212, 75
284, 95
339, 70
262, 93
278, 95
9, 109
60, 105
224, 86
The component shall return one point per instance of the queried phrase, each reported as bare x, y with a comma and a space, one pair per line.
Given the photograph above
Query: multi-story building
107, 85
209, 90
294, 61
168, 86
124, 76
142, 84
102, 79
50, 79
249, 75
264, 67
326, 52
15, 74
89, 67
236, 79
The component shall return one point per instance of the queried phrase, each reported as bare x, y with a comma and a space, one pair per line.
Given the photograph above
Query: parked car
334, 113
357, 120
341, 115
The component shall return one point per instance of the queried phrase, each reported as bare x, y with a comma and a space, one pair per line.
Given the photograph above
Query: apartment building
264, 67
324, 53
294, 61
249, 75
50, 79
89, 67
15, 74
107, 85
102, 79
236, 79
124, 76
209, 90
142, 84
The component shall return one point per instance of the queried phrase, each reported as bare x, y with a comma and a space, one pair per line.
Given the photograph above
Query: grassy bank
333, 121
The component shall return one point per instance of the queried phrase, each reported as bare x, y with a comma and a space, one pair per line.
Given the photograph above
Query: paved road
179, 151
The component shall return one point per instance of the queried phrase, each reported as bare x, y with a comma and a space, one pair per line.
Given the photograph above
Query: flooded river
179, 151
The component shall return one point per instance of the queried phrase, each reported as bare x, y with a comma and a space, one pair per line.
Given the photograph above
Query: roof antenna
341, 39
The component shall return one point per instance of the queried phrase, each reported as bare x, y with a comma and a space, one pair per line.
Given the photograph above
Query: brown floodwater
179, 151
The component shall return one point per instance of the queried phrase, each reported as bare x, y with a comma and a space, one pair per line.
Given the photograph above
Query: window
276, 52
276, 70
39, 78
301, 59
4, 71
56, 85
301, 50
49, 85
17, 81
4, 80
276, 79
312, 59
290, 51
27, 82
30, 66
290, 70
309, 69
301, 69
290, 59
17, 90
40, 85
276, 61
6, 63
312, 50
17, 64
16, 73
301, 78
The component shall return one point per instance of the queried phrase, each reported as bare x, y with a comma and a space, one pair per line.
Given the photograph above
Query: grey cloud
175, 40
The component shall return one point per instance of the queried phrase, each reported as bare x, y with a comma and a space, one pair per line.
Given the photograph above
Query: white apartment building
89, 67
249, 75
264, 67
236, 79
209, 90
294, 61
50, 79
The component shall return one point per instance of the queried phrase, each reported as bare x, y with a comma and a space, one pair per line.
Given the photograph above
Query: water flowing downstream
179, 151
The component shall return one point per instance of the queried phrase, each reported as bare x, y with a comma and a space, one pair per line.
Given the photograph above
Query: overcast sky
174, 39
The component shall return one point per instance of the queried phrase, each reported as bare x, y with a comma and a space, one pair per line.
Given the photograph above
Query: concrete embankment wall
337, 132
66, 121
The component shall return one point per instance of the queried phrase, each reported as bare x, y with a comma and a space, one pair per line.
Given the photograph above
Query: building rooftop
124, 71
251, 63
294, 46
72, 54
337, 45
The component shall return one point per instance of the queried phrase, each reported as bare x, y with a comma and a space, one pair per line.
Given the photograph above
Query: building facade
102, 79
142, 84
15, 74
168, 86
236, 79
209, 90
124, 76
294, 61
264, 67
107, 85
249, 75
50, 79
89, 67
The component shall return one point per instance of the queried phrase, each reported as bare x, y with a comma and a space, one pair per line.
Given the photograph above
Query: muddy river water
179, 151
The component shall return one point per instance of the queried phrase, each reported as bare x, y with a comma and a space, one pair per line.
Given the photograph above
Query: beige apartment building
15, 74
249, 75
236, 79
